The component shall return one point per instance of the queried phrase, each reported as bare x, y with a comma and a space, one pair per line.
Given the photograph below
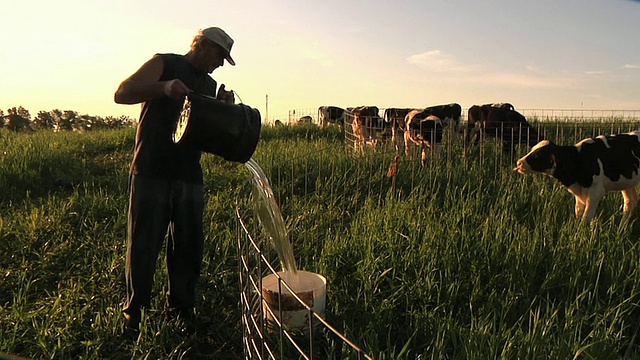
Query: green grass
461, 259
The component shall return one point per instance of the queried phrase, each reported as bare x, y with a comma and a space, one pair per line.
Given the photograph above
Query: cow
423, 130
590, 169
305, 120
503, 123
365, 122
478, 114
394, 118
449, 114
330, 115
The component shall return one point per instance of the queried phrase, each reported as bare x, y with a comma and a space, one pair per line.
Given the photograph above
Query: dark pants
158, 206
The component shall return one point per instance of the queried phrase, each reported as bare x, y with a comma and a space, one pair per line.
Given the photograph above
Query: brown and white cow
502, 122
330, 115
590, 169
365, 123
423, 130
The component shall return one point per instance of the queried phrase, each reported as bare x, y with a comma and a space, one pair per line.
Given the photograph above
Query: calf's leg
424, 148
630, 196
591, 204
580, 205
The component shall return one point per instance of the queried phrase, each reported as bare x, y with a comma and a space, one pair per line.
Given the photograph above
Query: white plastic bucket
278, 301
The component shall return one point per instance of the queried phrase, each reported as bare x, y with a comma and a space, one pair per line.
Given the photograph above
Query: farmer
166, 193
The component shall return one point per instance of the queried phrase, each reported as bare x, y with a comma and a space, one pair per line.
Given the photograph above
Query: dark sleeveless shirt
155, 154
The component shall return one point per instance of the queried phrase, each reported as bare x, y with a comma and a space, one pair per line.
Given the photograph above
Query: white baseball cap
221, 38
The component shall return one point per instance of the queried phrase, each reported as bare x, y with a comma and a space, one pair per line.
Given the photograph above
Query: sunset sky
569, 54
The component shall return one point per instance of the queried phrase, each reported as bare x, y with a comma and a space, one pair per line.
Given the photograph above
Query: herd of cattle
589, 169
424, 127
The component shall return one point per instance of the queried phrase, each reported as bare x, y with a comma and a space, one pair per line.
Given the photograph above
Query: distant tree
99, 123
64, 120
113, 122
128, 121
18, 119
24, 113
110, 122
44, 120
85, 122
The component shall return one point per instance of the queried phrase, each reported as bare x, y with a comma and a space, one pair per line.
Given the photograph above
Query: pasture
459, 259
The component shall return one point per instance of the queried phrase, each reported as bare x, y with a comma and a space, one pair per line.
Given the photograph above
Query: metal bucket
213, 126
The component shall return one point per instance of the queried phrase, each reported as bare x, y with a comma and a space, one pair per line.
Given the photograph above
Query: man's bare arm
144, 85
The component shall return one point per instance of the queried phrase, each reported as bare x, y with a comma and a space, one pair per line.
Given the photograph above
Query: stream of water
270, 216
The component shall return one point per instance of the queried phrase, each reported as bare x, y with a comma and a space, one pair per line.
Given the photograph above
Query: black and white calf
423, 130
395, 118
590, 169
330, 115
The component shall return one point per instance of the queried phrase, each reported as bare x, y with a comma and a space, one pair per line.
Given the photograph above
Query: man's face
213, 56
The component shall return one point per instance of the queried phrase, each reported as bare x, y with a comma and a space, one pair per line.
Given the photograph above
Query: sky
298, 54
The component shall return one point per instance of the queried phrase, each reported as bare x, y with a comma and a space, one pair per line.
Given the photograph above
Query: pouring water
270, 216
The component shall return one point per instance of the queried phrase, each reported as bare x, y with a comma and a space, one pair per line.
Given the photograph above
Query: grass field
461, 259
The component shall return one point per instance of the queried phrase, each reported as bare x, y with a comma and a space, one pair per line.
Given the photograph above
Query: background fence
579, 114
294, 115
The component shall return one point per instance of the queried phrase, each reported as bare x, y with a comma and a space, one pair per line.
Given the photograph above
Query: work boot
131, 327
188, 321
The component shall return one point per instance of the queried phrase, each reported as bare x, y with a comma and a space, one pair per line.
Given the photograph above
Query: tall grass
460, 259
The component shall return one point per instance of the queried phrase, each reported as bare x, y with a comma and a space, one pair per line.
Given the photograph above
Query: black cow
449, 114
478, 114
330, 115
503, 123
423, 130
590, 169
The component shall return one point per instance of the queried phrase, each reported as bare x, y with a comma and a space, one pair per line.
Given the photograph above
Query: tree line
19, 119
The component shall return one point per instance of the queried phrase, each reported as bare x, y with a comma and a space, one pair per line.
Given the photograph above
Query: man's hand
226, 96
175, 89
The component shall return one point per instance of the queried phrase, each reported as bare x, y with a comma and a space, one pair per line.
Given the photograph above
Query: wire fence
568, 115
580, 115
267, 334
298, 182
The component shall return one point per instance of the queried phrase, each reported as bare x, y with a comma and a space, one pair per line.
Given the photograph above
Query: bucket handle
202, 96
